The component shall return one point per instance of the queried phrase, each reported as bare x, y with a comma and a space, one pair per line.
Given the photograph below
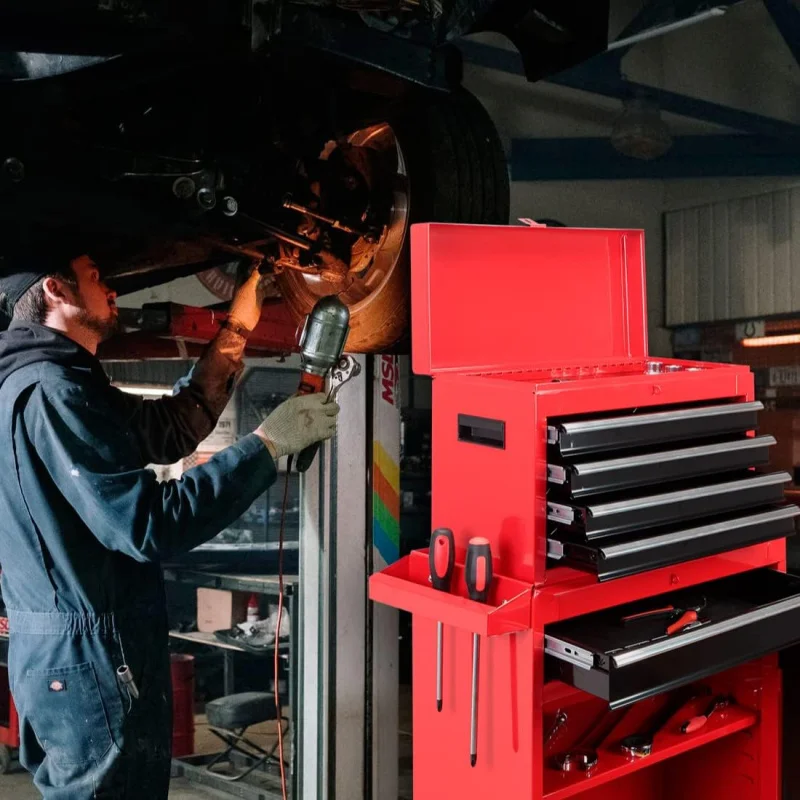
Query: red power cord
278, 629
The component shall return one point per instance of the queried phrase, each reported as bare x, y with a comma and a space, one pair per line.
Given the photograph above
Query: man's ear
55, 291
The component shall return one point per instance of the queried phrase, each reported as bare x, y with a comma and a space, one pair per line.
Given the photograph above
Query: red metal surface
559, 330
9, 733
512, 298
188, 328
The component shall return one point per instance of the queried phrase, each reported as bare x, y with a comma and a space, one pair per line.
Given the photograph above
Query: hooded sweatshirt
83, 522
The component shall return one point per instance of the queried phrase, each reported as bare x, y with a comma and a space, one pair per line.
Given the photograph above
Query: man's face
96, 303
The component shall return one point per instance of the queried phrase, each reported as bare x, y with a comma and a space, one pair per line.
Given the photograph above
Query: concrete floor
17, 785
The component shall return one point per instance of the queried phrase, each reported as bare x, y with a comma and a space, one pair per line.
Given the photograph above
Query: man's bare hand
246, 304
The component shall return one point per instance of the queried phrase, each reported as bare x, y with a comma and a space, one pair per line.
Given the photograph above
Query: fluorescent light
771, 341
145, 391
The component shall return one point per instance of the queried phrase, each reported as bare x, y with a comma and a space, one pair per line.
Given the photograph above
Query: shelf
613, 764
210, 640
260, 584
406, 585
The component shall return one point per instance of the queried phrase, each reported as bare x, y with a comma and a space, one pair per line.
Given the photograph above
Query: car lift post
349, 528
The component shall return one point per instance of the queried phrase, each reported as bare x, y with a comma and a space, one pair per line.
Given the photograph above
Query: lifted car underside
181, 138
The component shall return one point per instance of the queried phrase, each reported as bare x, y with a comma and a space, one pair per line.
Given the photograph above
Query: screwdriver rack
555, 358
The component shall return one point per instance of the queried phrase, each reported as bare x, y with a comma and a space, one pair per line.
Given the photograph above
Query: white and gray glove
297, 423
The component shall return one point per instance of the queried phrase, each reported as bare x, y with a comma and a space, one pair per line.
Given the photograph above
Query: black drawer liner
614, 474
748, 616
575, 438
599, 519
618, 558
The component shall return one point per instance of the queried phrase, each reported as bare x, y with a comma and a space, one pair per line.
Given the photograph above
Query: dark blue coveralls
83, 527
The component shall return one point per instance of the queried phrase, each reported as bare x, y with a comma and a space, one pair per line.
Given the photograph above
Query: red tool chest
637, 535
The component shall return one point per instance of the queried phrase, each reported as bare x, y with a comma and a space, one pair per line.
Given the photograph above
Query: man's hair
32, 306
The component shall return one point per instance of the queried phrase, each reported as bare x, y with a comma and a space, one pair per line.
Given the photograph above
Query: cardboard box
218, 610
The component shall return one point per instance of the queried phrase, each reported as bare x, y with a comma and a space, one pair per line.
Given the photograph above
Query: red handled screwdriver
442, 559
478, 575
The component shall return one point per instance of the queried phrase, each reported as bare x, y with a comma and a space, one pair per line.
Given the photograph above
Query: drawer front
583, 437
597, 520
638, 554
741, 618
586, 478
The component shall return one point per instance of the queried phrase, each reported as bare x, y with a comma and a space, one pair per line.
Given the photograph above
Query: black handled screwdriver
479, 578
442, 559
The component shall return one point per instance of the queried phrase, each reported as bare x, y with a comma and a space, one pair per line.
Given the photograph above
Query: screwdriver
478, 575
442, 559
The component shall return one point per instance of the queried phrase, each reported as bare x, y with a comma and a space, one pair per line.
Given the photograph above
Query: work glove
245, 308
297, 423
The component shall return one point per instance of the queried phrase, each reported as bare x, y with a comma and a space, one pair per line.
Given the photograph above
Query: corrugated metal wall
735, 259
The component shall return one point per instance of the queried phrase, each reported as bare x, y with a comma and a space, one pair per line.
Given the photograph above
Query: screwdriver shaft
473, 730
439, 637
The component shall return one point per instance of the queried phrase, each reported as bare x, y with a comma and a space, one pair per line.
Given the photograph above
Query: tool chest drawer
645, 429
629, 555
638, 650
583, 478
600, 518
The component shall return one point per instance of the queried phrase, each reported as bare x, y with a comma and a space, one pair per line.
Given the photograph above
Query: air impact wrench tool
478, 575
321, 346
442, 559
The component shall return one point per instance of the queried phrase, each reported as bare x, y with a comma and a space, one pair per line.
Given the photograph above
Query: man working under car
85, 524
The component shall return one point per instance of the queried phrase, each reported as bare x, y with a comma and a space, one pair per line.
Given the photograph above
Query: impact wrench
479, 578
442, 559
321, 346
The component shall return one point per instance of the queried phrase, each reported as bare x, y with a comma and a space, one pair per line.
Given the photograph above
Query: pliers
679, 617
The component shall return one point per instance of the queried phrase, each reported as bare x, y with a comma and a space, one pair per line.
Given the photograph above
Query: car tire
456, 171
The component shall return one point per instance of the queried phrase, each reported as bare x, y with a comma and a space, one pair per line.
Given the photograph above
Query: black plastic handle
305, 458
442, 558
478, 573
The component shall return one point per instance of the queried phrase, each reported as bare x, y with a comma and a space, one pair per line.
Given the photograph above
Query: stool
230, 716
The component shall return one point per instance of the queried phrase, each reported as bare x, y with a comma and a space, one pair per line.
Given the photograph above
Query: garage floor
18, 784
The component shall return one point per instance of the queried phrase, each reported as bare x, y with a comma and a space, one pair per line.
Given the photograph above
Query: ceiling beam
690, 157
599, 77
786, 16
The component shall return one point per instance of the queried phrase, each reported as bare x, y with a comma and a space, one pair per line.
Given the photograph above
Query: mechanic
85, 523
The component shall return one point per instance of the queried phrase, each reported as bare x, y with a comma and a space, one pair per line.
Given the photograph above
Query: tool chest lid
493, 298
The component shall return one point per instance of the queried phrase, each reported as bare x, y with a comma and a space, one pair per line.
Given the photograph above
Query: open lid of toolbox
493, 298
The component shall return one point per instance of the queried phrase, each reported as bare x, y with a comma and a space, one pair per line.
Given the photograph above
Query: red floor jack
619, 638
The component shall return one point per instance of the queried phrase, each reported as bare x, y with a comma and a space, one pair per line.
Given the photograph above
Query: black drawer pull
481, 430
579, 438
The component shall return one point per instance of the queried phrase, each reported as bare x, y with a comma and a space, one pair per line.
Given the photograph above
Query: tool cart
636, 596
